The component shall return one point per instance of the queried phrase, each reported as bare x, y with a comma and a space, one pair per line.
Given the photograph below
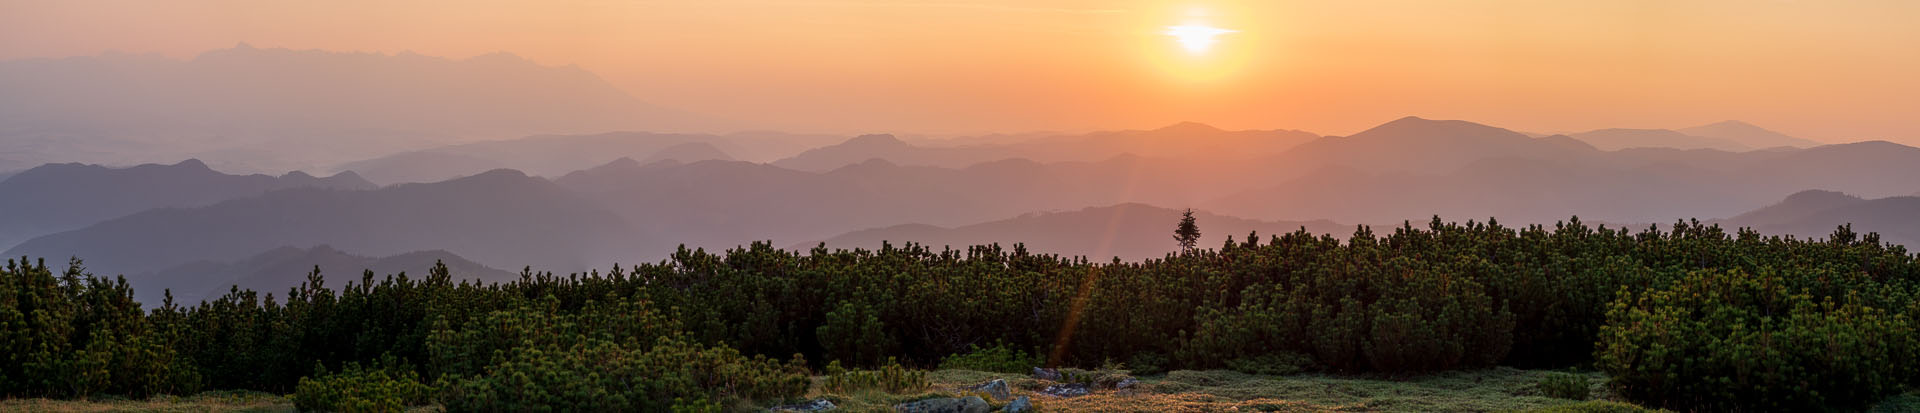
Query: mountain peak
1731, 123
1415, 127
1567, 141
1819, 196
689, 152
501, 175
877, 139
623, 162
1189, 127
1748, 134
349, 176
192, 163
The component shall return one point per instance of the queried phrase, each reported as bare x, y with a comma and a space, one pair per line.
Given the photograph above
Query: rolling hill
502, 218
1816, 213
1617, 139
59, 197
556, 155
1183, 141
1747, 134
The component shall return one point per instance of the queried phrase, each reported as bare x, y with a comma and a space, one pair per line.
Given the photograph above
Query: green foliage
76, 335
387, 388
998, 358
602, 376
1693, 317
1565, 385
1597, 406
853, 333
1105, 377
1148, 363
1187, 233
1271, 364
890, 378
1735, 340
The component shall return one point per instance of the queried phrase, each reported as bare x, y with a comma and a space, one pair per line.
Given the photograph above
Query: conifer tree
1188, 233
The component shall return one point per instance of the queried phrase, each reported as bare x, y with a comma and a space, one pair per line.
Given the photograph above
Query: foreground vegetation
1689, 318
1489, 390
1217, 390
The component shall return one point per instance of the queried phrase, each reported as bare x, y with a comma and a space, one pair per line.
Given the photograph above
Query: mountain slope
503, 219
556, 155
688, 153
1413, 169
717, 204
59, 197
1413, 144
277, 270
1747, 134
1815, 214
1127, 231
1616, 139
1185, 141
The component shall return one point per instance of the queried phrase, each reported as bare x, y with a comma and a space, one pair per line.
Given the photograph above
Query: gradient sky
1832, 70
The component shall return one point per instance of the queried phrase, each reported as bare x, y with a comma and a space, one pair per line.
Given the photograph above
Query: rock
812, 406
1020, 405
997, 389
1067, 390
1046, 374
969, 404
1126, 383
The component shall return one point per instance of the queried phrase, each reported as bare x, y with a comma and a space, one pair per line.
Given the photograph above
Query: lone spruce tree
1188, 233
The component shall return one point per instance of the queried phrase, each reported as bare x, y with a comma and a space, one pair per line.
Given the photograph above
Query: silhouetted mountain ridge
1817, 213
502, 218
1747, 134
279, 269
1183, 141
60, 197
1619, 138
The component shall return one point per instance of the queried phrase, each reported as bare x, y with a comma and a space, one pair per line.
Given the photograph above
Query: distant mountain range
277, 270
1733, 136
1747, 134
645, 194
259, 109
1413, 168
1180, 141
1127, 231
555, 155
60, 197
1617, 139
502, 219
1816, 213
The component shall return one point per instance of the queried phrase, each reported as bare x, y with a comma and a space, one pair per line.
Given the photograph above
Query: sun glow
1197, 39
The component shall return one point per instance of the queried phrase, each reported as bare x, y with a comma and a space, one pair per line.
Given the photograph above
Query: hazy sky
1826, 70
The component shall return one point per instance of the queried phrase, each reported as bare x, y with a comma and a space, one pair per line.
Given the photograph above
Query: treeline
1691, 317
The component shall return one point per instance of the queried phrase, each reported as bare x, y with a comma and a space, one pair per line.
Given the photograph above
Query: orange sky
1827, 70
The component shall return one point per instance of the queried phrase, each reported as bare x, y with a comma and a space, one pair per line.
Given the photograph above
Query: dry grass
204, 402
1491, 390
213, 401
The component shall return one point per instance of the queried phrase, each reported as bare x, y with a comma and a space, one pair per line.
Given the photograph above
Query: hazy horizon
959, 205
1830, 72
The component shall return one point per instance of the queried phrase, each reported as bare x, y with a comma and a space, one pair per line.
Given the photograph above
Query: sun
1196, 38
